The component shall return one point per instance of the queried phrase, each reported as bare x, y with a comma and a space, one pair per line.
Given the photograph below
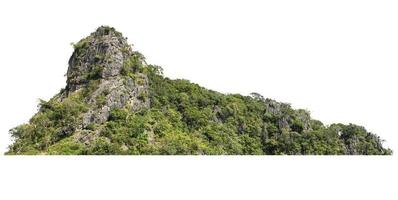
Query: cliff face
101, 62
99, 56
100, 65
114, 103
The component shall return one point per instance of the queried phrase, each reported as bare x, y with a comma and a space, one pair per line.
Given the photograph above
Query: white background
338, 59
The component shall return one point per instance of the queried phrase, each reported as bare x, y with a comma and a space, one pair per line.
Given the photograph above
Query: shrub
81, 44
67, 146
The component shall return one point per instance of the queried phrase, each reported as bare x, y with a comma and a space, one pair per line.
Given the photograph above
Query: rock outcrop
114, 103
98, 56
100, 66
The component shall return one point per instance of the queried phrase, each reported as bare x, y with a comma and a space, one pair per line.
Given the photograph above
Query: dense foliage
114, 103
54, 121
185, 118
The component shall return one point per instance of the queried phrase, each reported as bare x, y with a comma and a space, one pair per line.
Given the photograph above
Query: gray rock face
113, 93
100, 55
277, 109
284, 119
96, 68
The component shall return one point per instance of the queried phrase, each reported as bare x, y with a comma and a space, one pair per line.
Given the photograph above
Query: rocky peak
106, 69
98, 56
115, 104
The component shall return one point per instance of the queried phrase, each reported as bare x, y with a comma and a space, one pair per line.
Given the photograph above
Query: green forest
175, 117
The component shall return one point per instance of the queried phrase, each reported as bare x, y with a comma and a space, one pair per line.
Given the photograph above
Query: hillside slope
115, 103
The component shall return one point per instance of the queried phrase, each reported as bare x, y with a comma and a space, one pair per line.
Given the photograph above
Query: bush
103, 146
81, 44
66, 146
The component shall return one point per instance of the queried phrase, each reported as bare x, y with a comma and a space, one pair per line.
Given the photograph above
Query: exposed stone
118, 92
100, 55
96, 66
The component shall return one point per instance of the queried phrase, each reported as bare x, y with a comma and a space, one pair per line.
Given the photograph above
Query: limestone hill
115, 103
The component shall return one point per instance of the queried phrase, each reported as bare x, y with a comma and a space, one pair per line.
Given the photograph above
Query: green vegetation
54, 122
132, 65
236, 124
185, 118
101, 100
66, 146
81, 44
182, 118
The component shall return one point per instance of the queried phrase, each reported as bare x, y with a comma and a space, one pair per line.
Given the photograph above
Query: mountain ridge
115, 103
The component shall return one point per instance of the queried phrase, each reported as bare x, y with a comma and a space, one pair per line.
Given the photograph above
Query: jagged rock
116, 104
116, 93
272, 106
96, 65
100, 55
